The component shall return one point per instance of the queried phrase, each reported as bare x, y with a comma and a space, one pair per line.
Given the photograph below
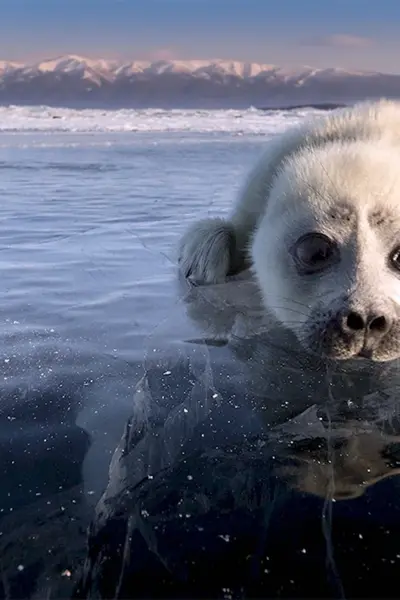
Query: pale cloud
338, 41
162, 54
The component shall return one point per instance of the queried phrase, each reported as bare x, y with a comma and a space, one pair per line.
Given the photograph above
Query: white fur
370, 121
349, 157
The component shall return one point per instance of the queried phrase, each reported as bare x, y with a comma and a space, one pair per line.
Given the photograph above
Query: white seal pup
318, 221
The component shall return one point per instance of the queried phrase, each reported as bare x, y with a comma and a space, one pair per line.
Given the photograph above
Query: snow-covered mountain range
78, 81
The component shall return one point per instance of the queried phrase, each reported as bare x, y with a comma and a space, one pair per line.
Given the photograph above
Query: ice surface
107, 359
247, 453
88, 228
45, 119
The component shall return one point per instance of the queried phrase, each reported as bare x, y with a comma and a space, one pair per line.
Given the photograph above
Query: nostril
378, 324
375, 323
355, 321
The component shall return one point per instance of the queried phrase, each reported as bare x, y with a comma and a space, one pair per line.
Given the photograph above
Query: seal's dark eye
395, 258
314, 252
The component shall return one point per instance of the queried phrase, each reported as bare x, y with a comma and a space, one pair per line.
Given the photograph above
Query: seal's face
327, 251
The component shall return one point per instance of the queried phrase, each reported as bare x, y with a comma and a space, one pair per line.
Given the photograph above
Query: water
93, 205
89, 221
88, 228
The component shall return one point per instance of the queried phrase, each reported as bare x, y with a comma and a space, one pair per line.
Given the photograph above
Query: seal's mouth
365, 353
362, 354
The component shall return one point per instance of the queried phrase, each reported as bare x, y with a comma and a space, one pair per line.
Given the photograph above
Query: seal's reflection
343, 466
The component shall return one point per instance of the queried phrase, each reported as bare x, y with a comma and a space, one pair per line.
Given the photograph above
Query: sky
362, 34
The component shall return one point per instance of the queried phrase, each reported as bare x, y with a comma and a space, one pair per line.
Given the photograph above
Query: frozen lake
89, 220
92, 207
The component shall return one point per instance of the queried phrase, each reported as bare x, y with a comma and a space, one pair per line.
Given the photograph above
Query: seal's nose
371, 326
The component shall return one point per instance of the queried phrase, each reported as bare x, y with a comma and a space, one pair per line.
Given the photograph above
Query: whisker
293, 301
297, 312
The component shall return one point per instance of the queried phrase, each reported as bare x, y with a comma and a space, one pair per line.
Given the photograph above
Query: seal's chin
319, 345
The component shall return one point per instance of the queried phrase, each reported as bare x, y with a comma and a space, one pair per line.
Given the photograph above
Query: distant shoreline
104, 107
319, 106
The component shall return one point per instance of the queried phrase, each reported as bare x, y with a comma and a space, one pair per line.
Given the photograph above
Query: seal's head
327, 250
